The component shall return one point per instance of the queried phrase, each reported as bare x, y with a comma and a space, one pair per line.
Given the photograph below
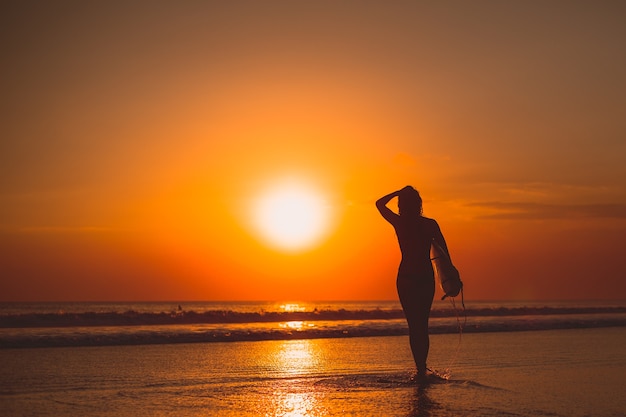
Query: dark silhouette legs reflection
421, 404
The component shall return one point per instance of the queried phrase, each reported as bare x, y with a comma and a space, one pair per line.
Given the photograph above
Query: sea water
573, 366
101, 324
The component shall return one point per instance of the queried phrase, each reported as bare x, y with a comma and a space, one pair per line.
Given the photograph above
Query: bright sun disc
291, 216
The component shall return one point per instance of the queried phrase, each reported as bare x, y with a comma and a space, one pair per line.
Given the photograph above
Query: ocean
25, 325
310, 359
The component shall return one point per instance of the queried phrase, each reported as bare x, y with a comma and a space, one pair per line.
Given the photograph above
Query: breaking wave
254, 323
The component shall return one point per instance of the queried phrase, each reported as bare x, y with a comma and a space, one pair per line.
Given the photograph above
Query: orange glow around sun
291, 215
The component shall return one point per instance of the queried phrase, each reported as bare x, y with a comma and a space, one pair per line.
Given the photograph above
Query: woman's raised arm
386, 212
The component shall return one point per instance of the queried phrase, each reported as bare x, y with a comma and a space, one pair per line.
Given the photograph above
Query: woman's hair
409, 202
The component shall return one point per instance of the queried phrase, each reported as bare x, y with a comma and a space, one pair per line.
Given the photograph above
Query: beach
570, 372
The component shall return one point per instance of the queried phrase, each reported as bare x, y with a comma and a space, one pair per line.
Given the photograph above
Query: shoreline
557, 373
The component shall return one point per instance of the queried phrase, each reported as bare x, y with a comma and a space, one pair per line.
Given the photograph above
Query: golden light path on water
296, 358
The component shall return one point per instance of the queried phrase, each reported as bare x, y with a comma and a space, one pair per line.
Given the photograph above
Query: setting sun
291, 216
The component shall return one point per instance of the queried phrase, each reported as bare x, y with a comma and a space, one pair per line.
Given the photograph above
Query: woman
415, 281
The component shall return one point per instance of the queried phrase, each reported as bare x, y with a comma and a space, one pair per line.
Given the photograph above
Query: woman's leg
416, 298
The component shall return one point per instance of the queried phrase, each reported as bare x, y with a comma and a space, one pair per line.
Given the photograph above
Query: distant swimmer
415, 280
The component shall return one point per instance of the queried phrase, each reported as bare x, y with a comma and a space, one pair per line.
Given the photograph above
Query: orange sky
136, 137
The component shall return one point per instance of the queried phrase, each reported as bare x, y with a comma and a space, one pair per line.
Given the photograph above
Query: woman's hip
416, 286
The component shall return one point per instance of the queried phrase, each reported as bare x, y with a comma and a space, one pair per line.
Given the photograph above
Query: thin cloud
537, 211
63, 229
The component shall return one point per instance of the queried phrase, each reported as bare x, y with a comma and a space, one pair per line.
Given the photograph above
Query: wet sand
540, 373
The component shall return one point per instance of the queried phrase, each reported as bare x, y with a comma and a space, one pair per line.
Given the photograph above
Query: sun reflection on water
295, 359
296, 325
292, 404
292, 307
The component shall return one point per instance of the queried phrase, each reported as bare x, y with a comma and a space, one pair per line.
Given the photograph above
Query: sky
138, 138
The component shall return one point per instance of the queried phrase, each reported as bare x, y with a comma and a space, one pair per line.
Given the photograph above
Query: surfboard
445, 272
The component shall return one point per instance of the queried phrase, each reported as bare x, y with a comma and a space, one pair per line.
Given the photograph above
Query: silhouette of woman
415, 281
